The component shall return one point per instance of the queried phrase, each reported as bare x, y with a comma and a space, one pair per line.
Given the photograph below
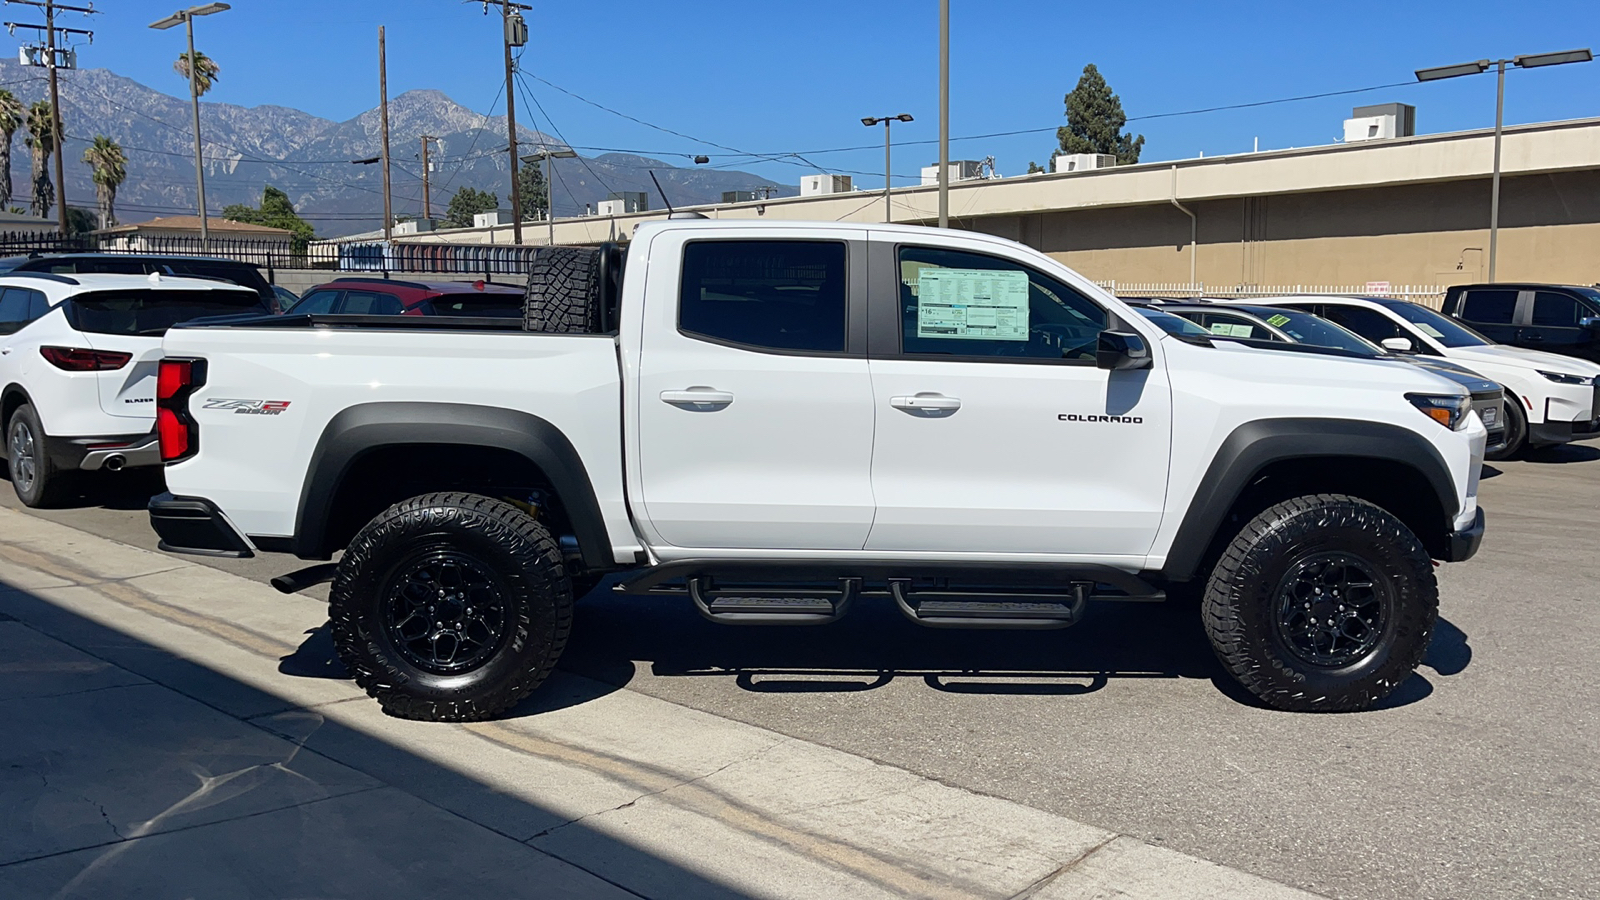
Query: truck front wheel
1322, 603
451, 607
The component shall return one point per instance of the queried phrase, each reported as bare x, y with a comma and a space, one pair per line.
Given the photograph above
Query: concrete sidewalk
163, 739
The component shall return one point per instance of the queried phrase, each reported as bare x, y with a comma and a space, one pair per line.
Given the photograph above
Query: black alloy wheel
445, 611
1332, 608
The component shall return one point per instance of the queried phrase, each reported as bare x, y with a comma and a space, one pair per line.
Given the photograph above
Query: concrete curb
595, 767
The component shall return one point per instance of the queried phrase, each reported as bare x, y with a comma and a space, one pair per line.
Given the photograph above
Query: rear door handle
926, 402
698, 399
5, 351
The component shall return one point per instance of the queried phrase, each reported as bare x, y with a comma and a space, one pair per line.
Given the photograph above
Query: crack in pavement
1033, 889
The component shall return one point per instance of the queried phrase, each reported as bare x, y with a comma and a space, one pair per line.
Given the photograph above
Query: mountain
309, 157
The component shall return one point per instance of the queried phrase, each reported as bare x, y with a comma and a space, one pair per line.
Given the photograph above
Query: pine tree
1095, 119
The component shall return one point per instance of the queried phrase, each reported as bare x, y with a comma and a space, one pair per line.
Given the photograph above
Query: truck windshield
1304, 328
152, 312
1446, 331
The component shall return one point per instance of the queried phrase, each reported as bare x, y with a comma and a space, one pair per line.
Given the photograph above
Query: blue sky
777, 76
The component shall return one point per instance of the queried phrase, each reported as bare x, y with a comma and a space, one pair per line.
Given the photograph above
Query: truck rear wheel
1322, 603
451, 607
563, 292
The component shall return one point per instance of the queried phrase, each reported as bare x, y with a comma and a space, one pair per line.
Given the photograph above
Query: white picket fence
1430, 295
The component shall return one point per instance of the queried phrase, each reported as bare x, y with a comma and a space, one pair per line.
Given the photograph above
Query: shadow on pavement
1563, 453
199, 785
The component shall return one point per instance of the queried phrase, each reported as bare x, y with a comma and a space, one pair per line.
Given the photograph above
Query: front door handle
5, 351
698, 399
926, 403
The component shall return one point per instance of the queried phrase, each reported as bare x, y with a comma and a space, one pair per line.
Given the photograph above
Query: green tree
41, 143
80, 221
535, 192
1034, 168
110, 166
1095, 119
275, 211
468, 202
12, 116
205, 72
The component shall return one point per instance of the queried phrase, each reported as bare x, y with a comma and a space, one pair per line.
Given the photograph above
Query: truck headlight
1450, 411
1563, 378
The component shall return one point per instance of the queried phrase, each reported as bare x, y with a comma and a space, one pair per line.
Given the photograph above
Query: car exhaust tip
115, 463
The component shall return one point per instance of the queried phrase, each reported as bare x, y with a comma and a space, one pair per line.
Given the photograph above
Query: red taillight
178, 433
81, 359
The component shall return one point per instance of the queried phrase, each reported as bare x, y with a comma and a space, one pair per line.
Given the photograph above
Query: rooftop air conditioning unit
1082, 162
960, 170
491, 218
818, 185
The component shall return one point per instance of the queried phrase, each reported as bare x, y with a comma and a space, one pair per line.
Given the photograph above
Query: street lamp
1533, 61
547, 154
888, 212
185, 17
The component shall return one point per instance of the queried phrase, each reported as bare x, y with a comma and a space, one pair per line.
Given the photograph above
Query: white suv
1550, 399
78, 361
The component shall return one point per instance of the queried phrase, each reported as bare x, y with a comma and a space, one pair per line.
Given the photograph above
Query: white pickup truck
774, 421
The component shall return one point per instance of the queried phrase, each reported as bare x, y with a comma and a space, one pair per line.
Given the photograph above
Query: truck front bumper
195, 525
1460, 546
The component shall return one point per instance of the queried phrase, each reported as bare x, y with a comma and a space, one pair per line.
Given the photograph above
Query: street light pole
185, 17
1532, 61
869, 121
944, 113
550, 156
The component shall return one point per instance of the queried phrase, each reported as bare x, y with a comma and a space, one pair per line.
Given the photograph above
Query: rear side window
316, 303
1556, 310
1370, 324
18, 307
370, 303
773, 295
152, 312
1490, 307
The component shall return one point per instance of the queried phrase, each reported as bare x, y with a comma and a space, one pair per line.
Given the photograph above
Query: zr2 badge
249, 407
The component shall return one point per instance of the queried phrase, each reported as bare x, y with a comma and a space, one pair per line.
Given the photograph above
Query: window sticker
1278, 321
1228, 329
1429, 330
972, 304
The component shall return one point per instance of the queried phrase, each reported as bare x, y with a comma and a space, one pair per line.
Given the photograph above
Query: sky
779, 77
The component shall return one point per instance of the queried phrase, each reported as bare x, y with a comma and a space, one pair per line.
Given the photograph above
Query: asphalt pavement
1477, 779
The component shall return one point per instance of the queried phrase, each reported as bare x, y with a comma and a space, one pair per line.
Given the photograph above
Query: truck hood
1523, 358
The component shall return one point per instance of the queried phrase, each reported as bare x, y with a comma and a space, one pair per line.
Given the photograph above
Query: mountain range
310, 158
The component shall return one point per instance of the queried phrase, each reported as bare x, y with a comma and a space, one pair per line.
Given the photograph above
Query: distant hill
309, 157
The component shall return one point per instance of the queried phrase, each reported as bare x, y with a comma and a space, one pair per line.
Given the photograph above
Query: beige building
157, 235
1409, 213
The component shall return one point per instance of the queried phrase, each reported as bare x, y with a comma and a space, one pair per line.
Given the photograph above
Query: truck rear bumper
195, 525
1461, 545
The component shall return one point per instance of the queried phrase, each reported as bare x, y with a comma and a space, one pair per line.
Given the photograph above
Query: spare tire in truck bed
563, 292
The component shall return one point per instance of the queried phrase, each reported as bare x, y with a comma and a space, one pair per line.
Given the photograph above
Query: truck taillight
177, 431
82, 359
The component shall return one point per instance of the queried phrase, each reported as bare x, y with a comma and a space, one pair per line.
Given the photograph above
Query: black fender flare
361, 429
10, 390
1255, 445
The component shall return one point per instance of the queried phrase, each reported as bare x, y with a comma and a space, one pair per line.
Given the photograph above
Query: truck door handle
698, 399
5, 351
926, 404
1532, 336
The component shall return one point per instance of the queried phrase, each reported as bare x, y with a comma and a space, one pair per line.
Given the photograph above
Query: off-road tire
532, 586
563, 294
1516, 429
1242, 603
48, 485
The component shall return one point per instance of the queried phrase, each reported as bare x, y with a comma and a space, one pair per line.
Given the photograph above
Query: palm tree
110, 166
41, 143
204, 74
12, 114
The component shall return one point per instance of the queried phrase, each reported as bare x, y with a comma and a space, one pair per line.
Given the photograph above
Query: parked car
1269, 325
749, 417
384, 297
229, 270
285, 298
78, 363
1557, 318
1550, 399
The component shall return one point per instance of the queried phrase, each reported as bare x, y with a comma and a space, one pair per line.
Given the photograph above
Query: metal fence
376, 256
1429, 295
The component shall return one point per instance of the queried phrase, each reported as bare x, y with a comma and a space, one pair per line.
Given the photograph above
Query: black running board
773, 606
987, 609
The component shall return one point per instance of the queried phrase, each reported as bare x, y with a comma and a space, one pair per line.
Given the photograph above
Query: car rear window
239, 273
152, 312
496, 306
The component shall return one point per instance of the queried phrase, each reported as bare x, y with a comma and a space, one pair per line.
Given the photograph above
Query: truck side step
773, 606
982, 609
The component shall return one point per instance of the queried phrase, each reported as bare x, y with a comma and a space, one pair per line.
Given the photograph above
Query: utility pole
383, 105
516, 35
944, 113
427, 199
52, 61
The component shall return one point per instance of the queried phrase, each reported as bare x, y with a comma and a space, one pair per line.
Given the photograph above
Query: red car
384, 297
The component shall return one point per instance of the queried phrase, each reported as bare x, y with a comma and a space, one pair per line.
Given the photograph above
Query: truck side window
769, 295
1490, 307
1555, 310
955, 303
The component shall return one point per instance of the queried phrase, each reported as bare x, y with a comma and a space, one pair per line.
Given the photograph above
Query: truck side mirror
1397, 344
1121, 350
1591, 323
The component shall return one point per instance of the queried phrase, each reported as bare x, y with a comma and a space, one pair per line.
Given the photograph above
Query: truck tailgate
271, 392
